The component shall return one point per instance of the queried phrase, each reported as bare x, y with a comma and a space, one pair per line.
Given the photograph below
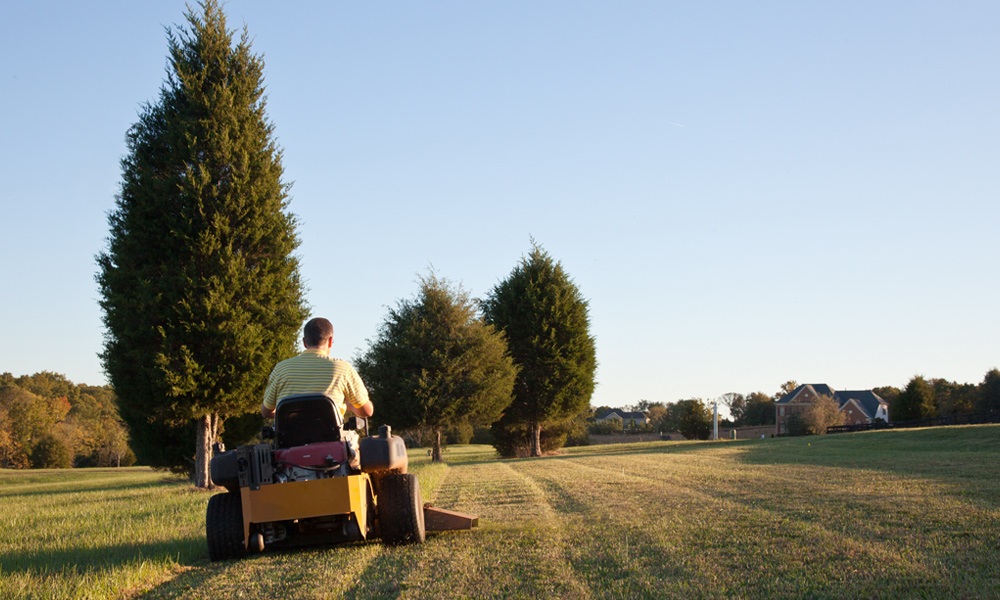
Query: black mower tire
224, 527
400, 510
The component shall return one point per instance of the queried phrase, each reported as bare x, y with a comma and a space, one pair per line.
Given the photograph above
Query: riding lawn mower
317, 481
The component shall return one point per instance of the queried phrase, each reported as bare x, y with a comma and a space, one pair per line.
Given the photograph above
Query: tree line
693, 418
47, 421
924, 398
921, 398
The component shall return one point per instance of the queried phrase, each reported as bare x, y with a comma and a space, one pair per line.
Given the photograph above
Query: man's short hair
317, 331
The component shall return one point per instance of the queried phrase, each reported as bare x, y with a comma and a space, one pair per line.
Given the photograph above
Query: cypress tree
199, 283
989, 391
916, 401
436, 364
545, 319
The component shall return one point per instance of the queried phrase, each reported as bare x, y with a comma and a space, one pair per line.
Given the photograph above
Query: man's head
316, 332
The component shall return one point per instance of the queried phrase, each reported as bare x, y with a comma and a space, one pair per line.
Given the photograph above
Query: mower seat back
306, 419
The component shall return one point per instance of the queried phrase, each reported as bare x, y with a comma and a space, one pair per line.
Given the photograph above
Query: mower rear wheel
400, 509
224, 527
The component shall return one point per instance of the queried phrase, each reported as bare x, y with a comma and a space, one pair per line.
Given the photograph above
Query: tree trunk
536, 440
206, 430
437, 446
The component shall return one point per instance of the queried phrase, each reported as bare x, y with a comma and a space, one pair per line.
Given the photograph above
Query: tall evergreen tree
199, 284
989, 391
546, 321
435, 363
916, 401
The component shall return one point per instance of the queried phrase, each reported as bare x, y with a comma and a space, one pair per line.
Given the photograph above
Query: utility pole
715, 418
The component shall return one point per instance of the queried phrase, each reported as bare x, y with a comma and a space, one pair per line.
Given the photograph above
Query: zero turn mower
316, 483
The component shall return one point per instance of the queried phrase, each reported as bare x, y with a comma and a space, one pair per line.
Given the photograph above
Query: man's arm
270, 397
364, 411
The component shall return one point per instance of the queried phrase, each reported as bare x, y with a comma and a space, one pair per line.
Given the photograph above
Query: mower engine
314, 461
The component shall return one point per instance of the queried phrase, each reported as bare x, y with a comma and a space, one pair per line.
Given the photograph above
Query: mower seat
306, 419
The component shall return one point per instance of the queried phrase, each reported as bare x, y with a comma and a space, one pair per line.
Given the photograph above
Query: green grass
94, 533
892, 514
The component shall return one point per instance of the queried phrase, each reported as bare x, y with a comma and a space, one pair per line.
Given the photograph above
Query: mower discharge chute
317, 483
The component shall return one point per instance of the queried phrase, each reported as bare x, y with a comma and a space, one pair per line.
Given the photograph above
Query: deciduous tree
824, 413
737, 405
694, 419
12, 455
759, 410
889, 394
952, 398
786, 388
199, 284
545, 319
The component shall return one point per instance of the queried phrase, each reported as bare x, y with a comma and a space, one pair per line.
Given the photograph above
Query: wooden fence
990, 416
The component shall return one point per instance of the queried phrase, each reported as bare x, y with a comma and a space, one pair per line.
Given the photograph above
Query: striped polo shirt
313, 372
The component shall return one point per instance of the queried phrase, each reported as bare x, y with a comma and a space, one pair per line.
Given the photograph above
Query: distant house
634, 418
858, 406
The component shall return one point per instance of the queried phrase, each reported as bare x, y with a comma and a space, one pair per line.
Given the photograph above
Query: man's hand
268, 413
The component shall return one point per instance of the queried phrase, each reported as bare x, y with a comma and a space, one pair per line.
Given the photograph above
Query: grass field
891, 514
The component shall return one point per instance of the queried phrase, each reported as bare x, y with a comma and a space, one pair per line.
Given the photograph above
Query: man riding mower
318, 481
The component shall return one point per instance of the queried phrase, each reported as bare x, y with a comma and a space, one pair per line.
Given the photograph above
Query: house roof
819, 389
625, 415
868, 400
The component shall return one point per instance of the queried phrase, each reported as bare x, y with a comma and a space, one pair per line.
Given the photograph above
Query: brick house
859, 407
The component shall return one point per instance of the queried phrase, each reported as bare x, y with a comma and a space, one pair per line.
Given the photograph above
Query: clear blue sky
746, 192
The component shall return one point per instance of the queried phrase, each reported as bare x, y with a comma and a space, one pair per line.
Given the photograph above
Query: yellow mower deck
306, 499
327, 497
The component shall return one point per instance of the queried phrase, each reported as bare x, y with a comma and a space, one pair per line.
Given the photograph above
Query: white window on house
781, 411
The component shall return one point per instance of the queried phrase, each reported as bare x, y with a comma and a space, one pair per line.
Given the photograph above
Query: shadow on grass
295, 573
612, 450
383, 577
82, 560
83, 487
951, 453
942, 453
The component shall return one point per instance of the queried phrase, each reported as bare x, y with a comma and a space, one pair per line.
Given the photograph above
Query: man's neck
318, 350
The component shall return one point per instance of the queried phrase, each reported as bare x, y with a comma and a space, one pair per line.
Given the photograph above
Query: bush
460, 433
634, 427
512, 440
51, 453
606, 427
578, 434
482, 435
